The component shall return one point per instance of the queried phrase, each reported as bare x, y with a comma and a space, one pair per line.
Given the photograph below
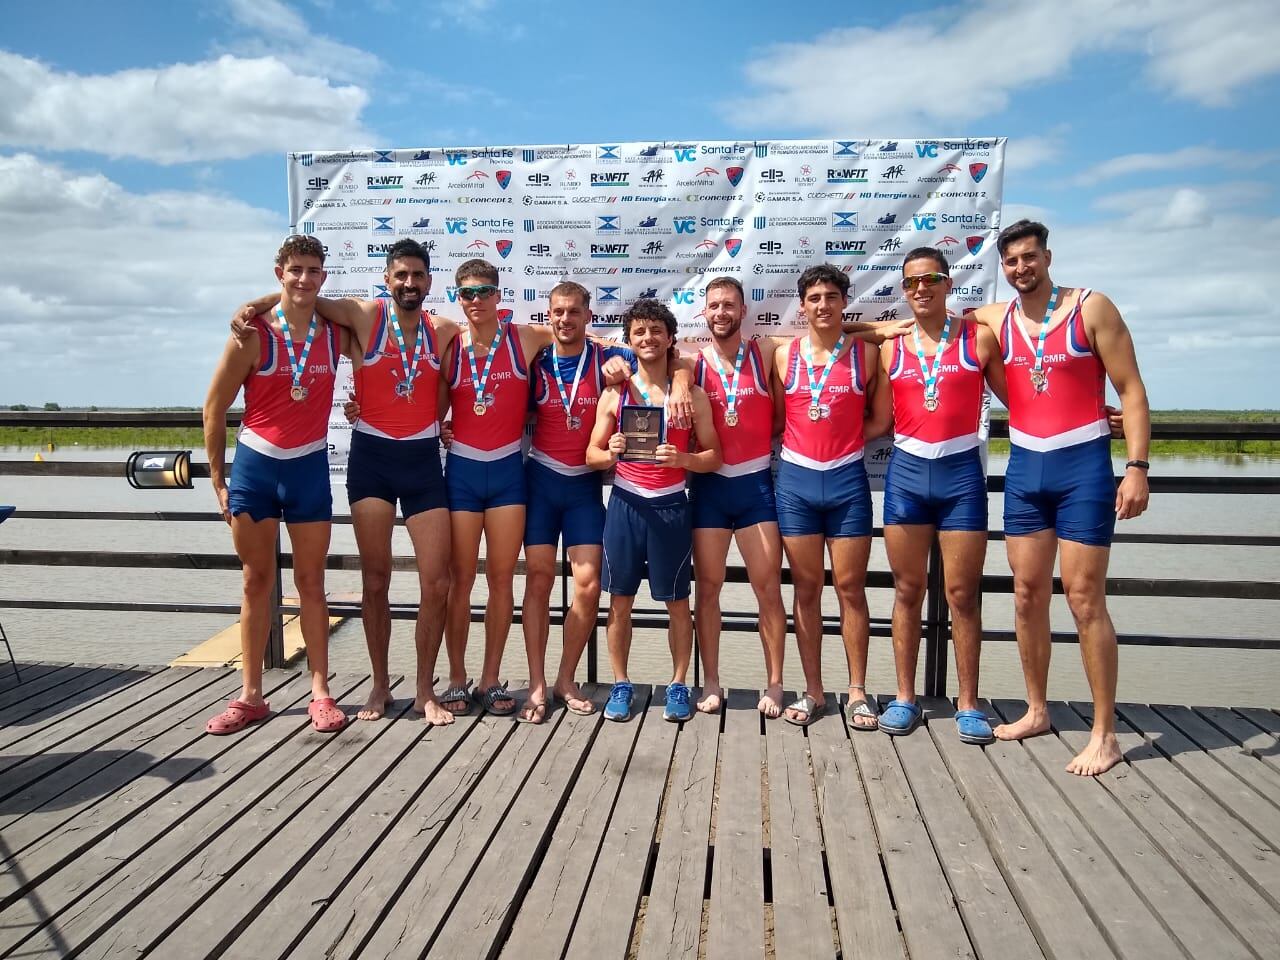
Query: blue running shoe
678, 708
619, 705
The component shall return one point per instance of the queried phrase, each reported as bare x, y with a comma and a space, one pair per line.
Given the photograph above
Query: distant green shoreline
190, 438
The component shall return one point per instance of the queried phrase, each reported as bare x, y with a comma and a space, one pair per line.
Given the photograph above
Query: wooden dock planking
1254, 742
1119, 912
735, 922
477, 925
931, 925
1150, 869
1216, 878
1219, 745
673, 915
610, 906
31, 711
546, 918
1062, 924
1267, 720
801, 908
579, 837
992, 920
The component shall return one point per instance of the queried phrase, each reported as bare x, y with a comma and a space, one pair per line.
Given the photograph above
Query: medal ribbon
644, 395
730, 386
931, 375
479, 380
815, 388
410, 364
296, 363
1044, 328
577, 378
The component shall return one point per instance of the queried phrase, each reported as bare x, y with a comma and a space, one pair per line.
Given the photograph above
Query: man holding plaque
648, 518
1060, 345
830, 386
287, 368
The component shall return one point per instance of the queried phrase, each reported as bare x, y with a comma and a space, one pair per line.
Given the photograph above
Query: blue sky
142, 184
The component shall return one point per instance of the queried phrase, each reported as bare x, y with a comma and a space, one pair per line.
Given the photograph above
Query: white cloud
218, 109
275, 29
874, 81
1188, 158
1026, 155
112, 297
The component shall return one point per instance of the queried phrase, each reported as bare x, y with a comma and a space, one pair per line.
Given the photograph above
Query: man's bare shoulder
990, 314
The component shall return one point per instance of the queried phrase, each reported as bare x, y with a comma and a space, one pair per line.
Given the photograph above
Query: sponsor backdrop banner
635, 220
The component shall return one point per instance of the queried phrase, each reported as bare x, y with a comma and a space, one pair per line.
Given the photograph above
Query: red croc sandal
237, 716
325, 715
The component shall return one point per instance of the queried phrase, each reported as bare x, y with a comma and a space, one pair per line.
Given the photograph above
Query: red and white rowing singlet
650, 479
555, 444
274, 423
836, 437
1070, 410
385, 409
747, 446
496, 433
953, 426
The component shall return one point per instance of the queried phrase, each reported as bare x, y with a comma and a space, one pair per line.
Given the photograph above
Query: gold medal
815, 413
731, 418
1039, 380
479, 408
298, 393
931, 403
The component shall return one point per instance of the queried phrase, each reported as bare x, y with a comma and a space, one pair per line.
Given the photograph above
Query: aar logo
734, 174
503, 177
732, 245
977, 171
504, 248
974, 244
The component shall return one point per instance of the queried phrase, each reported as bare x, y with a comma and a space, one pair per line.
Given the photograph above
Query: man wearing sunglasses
1059, 346
395, 457
936, 482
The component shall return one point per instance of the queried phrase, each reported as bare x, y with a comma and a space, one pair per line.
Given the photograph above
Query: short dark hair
1020, 231
480, 269
568, 288
727, 282
649, 310
824, 273
928, 253
408, 247
299, 246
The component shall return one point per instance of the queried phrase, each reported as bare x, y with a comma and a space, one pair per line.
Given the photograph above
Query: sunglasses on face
481, 292
928, 279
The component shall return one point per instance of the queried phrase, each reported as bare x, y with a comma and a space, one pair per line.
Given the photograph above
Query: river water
1147, 674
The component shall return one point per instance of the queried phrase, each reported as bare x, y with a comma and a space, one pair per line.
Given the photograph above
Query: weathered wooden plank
865, 921
1122, 917
300, 846
477, 924
242, 811
927, 913
59, 702
1254, 742
991, 916
1268, 720
1164, 889
1061, 923
546, 916
406, 926
801, 909
673, 915
43, 806
1226, 891
89, 823
349, 915
609, 908
735, 927
36, 776
1263, 780
1230, 793
29, 673
1253, 856
40, 680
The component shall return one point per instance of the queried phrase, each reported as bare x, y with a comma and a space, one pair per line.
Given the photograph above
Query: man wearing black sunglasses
1060, 345
936, 482
395, 457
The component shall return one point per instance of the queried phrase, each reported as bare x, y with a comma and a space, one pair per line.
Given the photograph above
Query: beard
407, 300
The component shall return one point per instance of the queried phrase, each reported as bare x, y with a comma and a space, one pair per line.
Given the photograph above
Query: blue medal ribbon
479, 380
730, 386
1039, 379
815, 386
408, 363
930, 375
297, 364
570, 420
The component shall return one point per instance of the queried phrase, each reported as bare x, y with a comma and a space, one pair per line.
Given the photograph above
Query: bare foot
379, 702
712, 697
771, 703
1033, 723
1101, 754
433, 714
574, 700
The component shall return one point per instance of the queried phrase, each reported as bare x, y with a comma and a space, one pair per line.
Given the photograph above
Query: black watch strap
1140, 464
